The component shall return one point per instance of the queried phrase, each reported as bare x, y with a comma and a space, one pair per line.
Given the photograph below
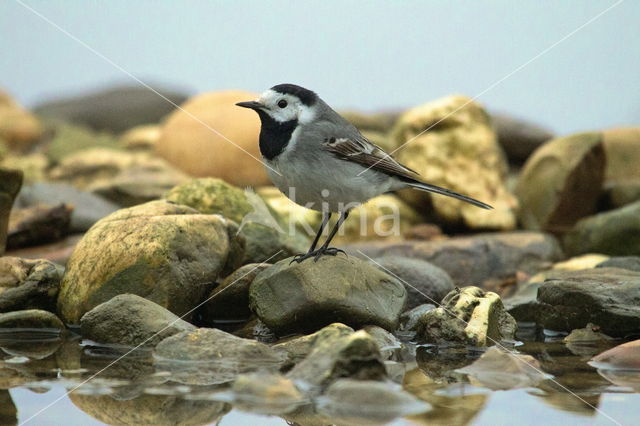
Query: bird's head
284, 103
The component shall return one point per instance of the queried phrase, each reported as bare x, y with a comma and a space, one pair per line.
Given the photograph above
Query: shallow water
40, 368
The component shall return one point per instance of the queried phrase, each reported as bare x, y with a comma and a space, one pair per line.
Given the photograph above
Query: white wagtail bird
315, 154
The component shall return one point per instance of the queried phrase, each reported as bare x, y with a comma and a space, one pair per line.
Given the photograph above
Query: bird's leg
325, 249
326, 216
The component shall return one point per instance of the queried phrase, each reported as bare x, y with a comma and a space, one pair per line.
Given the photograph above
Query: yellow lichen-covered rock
33, 166
167, 253
459, 151
211, 136
622, 174
18, 127
561, 182
385, 216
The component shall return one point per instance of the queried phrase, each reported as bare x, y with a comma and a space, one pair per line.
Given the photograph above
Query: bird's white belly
332, 187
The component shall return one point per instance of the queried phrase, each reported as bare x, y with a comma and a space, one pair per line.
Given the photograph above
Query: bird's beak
250, 104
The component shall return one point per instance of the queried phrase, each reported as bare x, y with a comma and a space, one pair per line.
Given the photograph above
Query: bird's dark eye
282, 103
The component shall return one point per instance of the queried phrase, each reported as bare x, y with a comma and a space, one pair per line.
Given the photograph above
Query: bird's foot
316, 254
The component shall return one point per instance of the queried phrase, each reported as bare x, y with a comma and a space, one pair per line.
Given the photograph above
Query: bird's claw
317, 254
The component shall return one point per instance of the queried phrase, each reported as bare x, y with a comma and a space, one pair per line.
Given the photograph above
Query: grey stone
519, 138
631, 263
298, 347
10, 183
131, 320
28, 284
31, 318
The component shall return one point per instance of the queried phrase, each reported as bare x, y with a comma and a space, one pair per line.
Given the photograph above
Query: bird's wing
360, 150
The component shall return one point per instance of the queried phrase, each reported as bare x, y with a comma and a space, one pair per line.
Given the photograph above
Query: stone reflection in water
150, 410
266, 393
446, 409
440, 363
8, 411
624, 378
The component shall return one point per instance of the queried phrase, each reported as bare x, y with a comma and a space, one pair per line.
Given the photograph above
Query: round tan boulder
189, 139
18, 127
450, 142
164, 252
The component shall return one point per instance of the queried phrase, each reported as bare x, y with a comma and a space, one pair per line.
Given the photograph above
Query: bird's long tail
443, 191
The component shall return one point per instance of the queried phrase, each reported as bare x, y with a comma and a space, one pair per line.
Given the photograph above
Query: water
40, 369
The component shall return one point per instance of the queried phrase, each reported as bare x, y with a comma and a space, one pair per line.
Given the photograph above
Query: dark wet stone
28, 284
631, 263
150, 410
8, 410
616, 233
366, 401
30, 318
519, 138
298, 347
410, 319
561, 182
230, 299
470, 316
388, 344
132, 320
57, 252
253, 329
10, 183
88, 208
334, 356
168, 253
482, 259
39, 224
300, 297
211, 356
115, 109
424, 282
608, 297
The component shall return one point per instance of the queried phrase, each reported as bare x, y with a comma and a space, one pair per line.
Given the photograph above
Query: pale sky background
368, 56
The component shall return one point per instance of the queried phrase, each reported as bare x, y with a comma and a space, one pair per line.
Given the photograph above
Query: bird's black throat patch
274, 136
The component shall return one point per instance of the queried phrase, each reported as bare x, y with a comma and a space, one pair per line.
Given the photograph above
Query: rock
266, 394
590, 334
69, 139
631, 263
38, 224
523, 305
381, 122
622, 177
616, 233
290, 297
352, 356
28, 284
30, 318
349, 401
425, 232
10, 183
424, 282
519, 138
167, 253
470, 316
34, 166
482, 259
252, 329
142, 137
88, 208
230, 299
211, 136
131, 320
459, 152
298, 347
126, 178
623, 357
388, 344
8, 410
585, 261
498, 369
211, 356
410, 319
114, 109
561, 182
609, 297
264, 233
150, 409
18, 128
58, 252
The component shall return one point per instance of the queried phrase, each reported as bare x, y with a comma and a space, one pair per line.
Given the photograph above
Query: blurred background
369, 56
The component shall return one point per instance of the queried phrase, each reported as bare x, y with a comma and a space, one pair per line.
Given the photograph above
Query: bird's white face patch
285, 107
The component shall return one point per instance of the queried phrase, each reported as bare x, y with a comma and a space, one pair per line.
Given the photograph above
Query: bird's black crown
306, 96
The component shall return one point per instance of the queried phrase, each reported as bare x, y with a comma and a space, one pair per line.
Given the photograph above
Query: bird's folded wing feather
362, 151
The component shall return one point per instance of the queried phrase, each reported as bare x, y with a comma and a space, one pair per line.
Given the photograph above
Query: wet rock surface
291, 297
469, 315
631, 263
298, 347
482, 259
30, 318
608, 297
10, 183
28, 284
561, 182
38, 224
132, 320
167, 253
